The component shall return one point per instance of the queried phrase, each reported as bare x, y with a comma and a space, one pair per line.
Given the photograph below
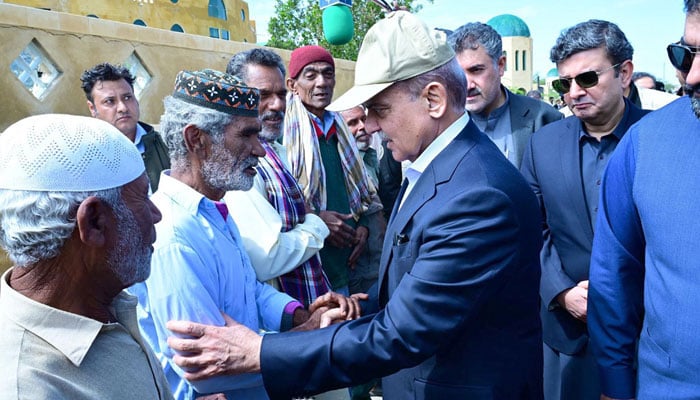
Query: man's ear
501, 65
196, 141
626, 70
436, 95
91, 107
92, 219
291, 84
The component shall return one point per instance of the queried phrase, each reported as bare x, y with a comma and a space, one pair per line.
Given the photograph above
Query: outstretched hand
205, 351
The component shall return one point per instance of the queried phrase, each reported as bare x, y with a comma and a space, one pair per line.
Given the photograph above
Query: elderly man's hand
341, 234
338, 308
361, 234
205, 351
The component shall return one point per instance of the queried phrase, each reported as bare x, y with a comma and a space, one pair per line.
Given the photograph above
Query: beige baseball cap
396, 48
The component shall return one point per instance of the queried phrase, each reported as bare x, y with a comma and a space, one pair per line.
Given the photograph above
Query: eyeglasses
681, 55
586, 80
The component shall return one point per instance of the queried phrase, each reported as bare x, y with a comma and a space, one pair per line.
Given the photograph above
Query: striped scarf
305, 159
308, 281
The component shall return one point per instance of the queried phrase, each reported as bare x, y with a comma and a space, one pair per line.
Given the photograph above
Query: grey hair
238, 63
35, 225
474, 34
450, 75
640, 75
589, 35
177, 115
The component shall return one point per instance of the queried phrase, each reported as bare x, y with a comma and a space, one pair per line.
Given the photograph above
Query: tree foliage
298, 23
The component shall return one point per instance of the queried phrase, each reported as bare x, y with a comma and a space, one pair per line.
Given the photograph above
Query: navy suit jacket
551, 165
458, 289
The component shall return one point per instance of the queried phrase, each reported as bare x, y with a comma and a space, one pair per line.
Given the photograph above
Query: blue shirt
327, 123
198, 270
140, 133
645, 263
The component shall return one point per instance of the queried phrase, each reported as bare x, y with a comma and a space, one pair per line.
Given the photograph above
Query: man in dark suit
110, 97
564, 164
459, 270
507, 118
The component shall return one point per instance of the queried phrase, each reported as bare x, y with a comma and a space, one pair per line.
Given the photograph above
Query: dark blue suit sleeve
615, 300
464, 253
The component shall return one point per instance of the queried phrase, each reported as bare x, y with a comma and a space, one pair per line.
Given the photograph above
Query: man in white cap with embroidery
459, 276
76, 221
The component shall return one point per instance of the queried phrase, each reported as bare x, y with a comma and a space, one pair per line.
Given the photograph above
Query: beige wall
4, 262
76, 43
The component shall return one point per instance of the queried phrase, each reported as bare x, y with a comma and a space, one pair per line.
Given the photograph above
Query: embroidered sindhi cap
218, 91
66, 153
394, 49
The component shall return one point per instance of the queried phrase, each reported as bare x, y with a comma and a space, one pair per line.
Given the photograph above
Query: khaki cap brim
356, 96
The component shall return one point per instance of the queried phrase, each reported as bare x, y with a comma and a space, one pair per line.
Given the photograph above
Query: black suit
155, 157
552, 167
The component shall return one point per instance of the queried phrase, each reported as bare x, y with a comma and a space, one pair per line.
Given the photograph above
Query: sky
650, 25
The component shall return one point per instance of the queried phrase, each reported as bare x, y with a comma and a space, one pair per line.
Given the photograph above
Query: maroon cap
306, 55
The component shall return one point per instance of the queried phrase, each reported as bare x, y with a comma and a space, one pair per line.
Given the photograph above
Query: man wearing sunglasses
645, 291
563, 164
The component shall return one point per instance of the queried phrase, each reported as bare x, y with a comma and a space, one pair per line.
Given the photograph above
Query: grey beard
224, 172
131, 258
695, 103
270, 135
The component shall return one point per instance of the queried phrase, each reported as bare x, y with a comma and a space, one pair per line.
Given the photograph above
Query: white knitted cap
66, 153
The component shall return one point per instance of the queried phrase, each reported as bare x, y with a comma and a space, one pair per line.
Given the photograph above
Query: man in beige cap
459, 276
76, 220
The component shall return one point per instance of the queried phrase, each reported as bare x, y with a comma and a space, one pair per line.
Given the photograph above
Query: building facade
220, 19
517, 47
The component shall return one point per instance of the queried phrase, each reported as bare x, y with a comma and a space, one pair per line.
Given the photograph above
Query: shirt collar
186, 197
140, 133
438, 145
69, 333
326, 123
619, 130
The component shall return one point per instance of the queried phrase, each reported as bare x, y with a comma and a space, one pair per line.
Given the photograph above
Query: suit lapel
521, 126
440, 170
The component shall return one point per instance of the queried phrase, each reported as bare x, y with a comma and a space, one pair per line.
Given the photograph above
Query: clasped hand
205, 351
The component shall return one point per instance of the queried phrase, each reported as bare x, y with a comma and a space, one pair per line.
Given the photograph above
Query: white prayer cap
66, 153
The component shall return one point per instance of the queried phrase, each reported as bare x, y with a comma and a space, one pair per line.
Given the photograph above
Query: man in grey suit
508, 119
564, 164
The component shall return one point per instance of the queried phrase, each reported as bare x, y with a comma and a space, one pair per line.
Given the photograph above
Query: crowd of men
264, 244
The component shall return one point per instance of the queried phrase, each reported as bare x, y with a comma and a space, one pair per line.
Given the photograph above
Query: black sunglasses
586, 80
681, 55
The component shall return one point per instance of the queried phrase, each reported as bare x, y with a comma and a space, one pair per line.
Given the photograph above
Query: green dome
509, 25
553, 73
